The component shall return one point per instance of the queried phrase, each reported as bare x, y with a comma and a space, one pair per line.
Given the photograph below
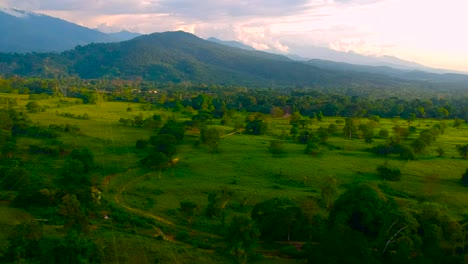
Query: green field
243, 165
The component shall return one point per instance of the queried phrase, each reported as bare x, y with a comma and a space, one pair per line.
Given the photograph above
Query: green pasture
242, 165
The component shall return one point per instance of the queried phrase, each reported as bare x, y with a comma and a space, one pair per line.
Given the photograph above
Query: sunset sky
430, 32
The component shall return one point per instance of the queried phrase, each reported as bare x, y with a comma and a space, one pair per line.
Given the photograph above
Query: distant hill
409, 74
24, 31
123, 35
234, 44
183, 57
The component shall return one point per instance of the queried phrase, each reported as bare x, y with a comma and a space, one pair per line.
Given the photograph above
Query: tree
465, 179
164, 143
25, 240
71, 209
156, 160
33, 107
276, 147
210, 137
363, 208
173, 128
85, 156
241, 238
256, 124
350, 128
328, 190
277, 112
389, 173
383, 133
320, 116
295, 117
463, 150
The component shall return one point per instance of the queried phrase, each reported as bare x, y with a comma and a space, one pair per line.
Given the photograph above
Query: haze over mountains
24, 31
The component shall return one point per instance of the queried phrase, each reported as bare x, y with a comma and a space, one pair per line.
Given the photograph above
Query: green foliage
464, 178
156, 160
173, 128
241, 238
276, 147
85, 156
278, 219
363, 208
328, 190
16, 178
389, 173
463, 151
84, 116
164, 143
217, 202
33, 107
141, 144
256, 124
350, 128
276, 112
210, 137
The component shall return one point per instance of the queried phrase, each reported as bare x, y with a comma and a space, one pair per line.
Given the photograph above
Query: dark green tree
463, 150
241, 238
210, 137
276, 147
389, 173
328, 190
33, 107
350, 128
173, 128
464, 179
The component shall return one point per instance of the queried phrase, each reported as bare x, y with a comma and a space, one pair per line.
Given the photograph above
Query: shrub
465, 179
389, 173
276, 147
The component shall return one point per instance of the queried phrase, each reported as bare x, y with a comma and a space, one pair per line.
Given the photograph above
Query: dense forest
134, 171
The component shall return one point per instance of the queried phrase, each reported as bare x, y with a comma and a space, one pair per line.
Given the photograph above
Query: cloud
222, 9
357, 2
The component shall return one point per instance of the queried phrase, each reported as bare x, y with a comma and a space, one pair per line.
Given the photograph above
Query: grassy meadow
243, 165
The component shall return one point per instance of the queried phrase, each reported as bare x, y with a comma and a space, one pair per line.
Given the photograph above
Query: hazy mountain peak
231, 43
26, 31
17, 13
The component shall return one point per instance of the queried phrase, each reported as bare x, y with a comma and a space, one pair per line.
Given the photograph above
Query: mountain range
24, 31
182, 57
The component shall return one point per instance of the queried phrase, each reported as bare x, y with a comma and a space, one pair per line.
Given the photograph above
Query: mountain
305, 53
123, 35
408, 74
182, 57
234, 44
24, 31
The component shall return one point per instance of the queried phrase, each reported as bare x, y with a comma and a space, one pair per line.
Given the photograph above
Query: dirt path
118, 199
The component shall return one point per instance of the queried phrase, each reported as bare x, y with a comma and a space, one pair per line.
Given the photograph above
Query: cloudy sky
431, 32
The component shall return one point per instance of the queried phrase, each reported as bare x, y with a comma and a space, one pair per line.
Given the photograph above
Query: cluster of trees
365, 225
64, 197
308, 101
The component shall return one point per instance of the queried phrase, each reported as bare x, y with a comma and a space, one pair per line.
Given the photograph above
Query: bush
276, 147
389, 173
465, 179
